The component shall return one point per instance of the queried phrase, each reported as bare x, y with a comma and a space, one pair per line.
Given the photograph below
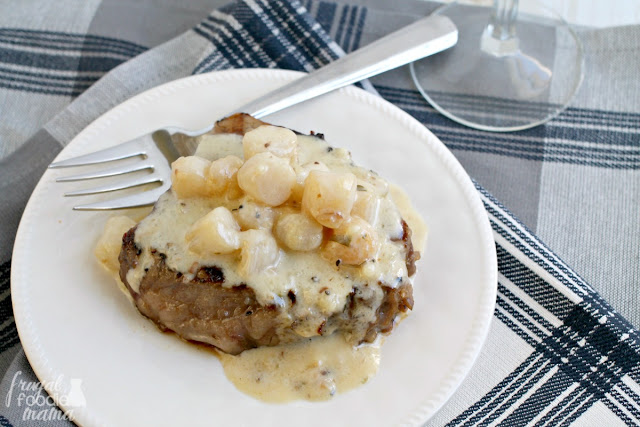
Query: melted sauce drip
311, 369
411, 216
306, 274
314, 369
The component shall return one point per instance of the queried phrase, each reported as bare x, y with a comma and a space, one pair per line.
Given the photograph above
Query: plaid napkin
557, 352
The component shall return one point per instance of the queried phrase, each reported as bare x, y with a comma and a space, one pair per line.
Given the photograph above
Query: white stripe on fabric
537, 269
233, 23
321, 46
613, 402
626, 402
544, 255
563, 414
634, 386
526, 395
220, 40
290, 48
533, 304
500, 396
524, 329
69, 52
528, 384
216, 61
555, 403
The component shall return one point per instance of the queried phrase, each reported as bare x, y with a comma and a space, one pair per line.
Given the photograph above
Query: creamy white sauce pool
313, 369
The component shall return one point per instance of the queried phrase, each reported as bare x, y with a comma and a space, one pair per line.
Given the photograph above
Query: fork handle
424, 37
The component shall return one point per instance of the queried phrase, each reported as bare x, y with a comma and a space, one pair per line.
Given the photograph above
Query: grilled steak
230, 318
202, 305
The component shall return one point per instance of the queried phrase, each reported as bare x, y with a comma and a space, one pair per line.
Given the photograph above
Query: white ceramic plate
76, 326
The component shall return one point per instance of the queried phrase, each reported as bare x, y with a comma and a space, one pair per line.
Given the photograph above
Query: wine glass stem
503, 19
499, 38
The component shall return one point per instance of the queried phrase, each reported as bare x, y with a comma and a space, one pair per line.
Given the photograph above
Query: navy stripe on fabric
527, 383
85, 77
222, 44
349, 34
533, 360
38, 89
5, 422
593, 301
359, 29
260, 59
521, 319
504, 318
300, 47
10, 342
6, 310
341, 22
84, 59
620, 399
619, 413
81, 46
5, 278
510, 296
582, 145
326, 14
556, 414
57, 62
572, 114
516, 237
497, 405
534, 286
575, 409
314, 42
635, 397
588, 355
61, 85
263, 26
506, 218
588, 347
9, 333
68, 38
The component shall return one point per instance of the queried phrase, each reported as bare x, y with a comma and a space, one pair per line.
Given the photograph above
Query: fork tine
141, 199
120, 185
121, 151
118, 170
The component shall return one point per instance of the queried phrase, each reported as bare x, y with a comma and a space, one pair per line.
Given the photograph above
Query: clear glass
517, 64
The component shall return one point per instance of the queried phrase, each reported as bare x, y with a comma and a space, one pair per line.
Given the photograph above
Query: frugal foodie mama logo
32, 398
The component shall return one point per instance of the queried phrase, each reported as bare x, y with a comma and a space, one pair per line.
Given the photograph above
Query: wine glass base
502, 85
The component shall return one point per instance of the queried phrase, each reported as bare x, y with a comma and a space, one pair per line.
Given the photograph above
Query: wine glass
511, 69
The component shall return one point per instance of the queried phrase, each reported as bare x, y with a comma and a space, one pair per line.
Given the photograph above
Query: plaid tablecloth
563, 347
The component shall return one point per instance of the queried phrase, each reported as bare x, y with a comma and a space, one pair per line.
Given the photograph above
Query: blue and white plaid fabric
558, 353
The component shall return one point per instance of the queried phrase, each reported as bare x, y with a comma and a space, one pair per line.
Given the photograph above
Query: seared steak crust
229, 317
208, 310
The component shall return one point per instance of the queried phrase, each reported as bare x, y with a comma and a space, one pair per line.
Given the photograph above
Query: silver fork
159, 149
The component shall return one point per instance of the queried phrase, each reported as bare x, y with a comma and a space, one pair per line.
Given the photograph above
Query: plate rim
479, 328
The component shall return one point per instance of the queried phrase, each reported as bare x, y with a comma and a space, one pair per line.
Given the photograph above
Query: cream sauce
312, 369
417, 225
304, 273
